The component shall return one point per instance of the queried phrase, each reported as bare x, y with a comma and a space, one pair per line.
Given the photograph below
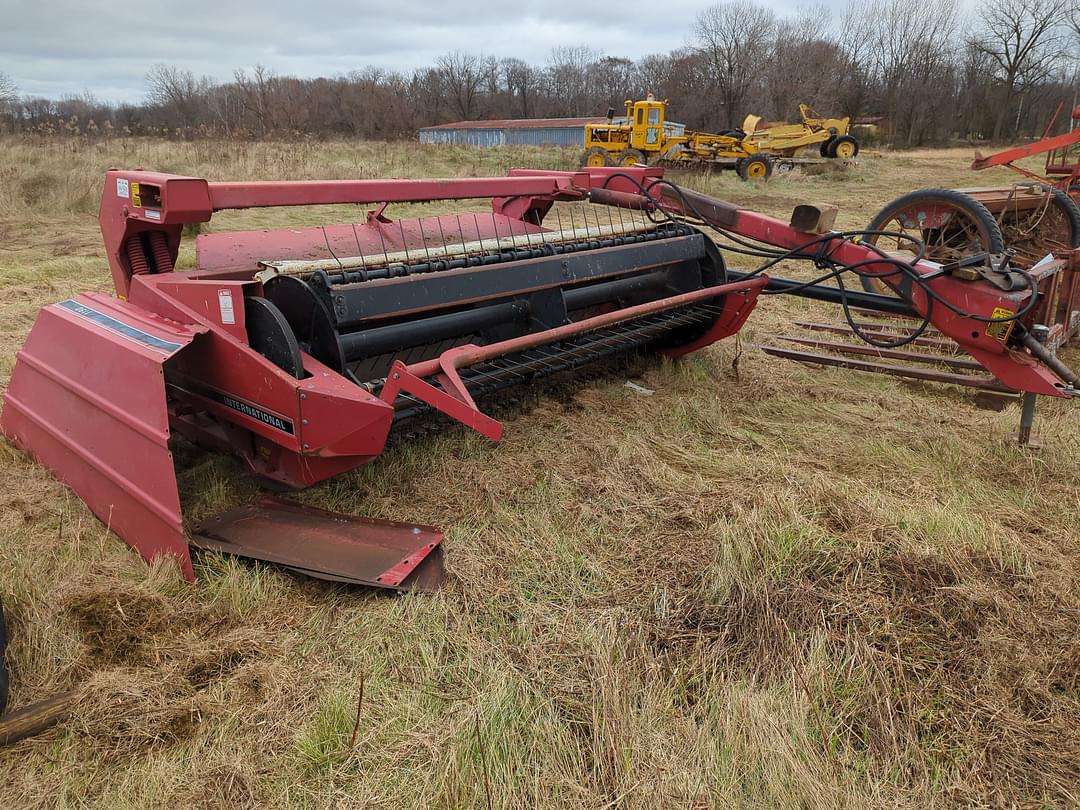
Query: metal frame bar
452, 396
1014, 367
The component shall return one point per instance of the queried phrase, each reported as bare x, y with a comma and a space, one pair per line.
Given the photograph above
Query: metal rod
970, 380
889, 354
1035, 338
395, 337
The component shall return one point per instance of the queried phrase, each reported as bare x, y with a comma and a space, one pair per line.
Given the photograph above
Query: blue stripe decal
120, 327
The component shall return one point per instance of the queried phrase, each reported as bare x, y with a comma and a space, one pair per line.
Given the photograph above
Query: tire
596, 157
1050, 228
942, 244
758, 167
3, 662
733, 133
845, 147
826, 147
1071, 210
631, 157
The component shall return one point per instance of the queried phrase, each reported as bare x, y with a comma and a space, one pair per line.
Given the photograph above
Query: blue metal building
528, 131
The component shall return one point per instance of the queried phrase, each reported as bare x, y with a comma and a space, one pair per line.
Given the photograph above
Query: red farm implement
1062, 168
1033, 225
300, 350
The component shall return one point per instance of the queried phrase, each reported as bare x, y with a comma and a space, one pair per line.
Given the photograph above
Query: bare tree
426, 87
1021, 37
802, 65
255, 94
178, 91
907, 53
522, 86
462, 76
8, 91
568, 79
612, 80
9, 94
734, 37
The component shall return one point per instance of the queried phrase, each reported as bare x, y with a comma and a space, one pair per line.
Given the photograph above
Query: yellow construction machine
831, 135
645, 136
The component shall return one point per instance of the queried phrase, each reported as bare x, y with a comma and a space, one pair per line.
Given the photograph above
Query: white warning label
225, 304
123, 190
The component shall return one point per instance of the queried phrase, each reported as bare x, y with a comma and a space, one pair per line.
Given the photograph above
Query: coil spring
160, 247
136, 256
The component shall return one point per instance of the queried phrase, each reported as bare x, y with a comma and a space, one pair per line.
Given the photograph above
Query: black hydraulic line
1047, 357
834, 295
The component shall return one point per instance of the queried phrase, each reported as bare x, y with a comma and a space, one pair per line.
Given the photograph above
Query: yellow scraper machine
830, 135
646, 137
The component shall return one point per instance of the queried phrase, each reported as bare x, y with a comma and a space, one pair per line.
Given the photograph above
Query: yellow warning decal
1000, 330
136, 195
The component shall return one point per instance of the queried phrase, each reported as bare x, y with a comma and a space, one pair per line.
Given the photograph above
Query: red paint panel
87, 400
243, 250
271, 194
328, 545
223, 375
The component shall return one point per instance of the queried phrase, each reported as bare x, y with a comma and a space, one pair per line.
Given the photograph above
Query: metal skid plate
328, 545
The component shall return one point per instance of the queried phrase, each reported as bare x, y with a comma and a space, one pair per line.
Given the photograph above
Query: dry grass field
765, 586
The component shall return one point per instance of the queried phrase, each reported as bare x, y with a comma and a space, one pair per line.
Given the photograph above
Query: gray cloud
56, 48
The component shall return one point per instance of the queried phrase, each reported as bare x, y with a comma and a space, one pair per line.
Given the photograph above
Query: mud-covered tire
631, 157
978, 224
596, 157
756, 167
3, 661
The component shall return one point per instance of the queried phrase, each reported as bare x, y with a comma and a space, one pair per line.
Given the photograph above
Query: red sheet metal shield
328, 545
87, 400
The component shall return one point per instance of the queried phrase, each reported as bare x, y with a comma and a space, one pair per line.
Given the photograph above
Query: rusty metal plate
328, 545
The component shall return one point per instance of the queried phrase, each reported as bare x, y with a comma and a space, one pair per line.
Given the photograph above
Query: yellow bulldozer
645, 136
831, 135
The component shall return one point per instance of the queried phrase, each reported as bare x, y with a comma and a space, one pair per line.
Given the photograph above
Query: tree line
924, 70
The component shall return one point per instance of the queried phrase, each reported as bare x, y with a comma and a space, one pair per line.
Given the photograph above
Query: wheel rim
594, 160
629, 160
845, 149
755, 169
958, 237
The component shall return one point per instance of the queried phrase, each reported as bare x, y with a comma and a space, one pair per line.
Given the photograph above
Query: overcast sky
56, 48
